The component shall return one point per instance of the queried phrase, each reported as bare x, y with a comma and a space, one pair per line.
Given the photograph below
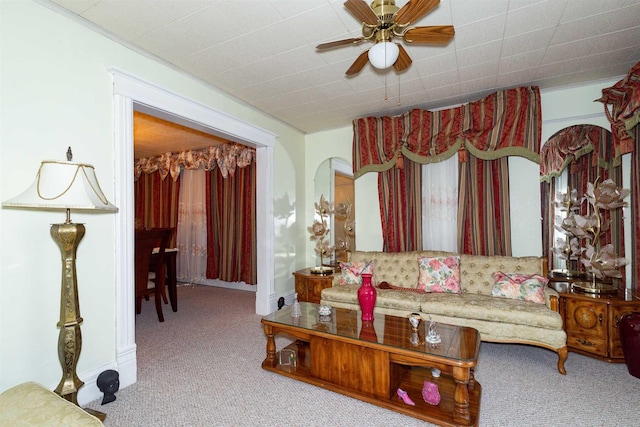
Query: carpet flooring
201, 367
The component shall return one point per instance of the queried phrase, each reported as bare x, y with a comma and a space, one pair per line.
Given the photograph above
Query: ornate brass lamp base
595, 287
68, 236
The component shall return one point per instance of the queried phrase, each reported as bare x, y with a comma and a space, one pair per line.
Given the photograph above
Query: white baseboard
241, 286
90, 391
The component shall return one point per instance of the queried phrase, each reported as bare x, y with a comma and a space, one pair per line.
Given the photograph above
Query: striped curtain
377, 142
379, 149
231, 225
484, 224
624, 99
156, 203
399, 191
547, 207
506, 123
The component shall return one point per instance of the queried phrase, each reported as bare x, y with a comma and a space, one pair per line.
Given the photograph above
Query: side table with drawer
592, 322
310, 285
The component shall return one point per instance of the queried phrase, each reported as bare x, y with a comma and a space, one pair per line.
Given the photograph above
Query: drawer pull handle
617, 319
600, 318
584, 342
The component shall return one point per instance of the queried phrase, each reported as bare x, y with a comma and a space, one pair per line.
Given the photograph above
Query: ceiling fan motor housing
385, 9
382, 21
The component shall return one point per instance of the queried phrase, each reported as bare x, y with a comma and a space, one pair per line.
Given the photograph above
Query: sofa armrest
31, 404
551, 297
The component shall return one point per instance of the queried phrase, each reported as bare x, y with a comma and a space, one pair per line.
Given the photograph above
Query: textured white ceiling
263, 51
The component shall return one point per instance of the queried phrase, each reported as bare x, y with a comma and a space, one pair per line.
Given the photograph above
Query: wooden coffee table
371, 361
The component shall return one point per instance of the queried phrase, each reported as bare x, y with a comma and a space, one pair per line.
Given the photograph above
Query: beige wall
56, 91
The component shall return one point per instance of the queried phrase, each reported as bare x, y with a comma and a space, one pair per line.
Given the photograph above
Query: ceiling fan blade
337, 43
360, 62
404, 60
413, 10
436, 34
361, 10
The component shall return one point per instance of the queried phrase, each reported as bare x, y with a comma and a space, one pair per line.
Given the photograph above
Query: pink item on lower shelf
405, 397
430, 393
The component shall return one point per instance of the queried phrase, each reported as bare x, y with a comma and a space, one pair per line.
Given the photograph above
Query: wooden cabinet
591, 322
309, 286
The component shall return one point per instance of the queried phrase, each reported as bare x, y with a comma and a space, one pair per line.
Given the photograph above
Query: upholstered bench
31, 404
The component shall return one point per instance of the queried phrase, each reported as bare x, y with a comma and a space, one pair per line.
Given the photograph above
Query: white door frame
131, 92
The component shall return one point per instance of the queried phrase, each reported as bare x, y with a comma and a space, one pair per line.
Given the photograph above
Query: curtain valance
379, 140
506, 123
624, 98
569, 144
226, 156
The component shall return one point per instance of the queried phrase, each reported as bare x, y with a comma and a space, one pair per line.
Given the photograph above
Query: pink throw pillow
519, 286
440, 274
352, 272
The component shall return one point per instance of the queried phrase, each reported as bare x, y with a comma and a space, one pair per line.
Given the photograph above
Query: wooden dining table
170, 260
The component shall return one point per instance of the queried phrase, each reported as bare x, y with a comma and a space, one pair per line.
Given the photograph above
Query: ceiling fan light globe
383, 55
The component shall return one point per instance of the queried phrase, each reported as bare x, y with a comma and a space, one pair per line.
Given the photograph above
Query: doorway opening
131, 93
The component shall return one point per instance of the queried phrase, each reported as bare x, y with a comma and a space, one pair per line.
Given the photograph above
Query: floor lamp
66, 185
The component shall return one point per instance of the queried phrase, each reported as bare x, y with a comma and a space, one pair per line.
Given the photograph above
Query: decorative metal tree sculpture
601, 261
343, 211
567, 248
320, 230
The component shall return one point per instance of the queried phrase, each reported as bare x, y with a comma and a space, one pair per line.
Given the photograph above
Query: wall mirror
571, 159
334, 181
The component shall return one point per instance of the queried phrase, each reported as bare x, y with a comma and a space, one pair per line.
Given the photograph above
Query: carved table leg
271, 346
461, 411
472, 379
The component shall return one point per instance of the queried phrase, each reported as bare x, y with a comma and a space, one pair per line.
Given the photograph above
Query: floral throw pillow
352, 272
519, 286
440, 274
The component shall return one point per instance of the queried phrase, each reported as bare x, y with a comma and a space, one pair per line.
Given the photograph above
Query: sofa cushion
519, 286
476, 271
351, 272
482, 307
439, 274
396, 268
388, 298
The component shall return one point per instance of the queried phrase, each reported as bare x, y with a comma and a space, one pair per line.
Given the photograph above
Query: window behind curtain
440, 205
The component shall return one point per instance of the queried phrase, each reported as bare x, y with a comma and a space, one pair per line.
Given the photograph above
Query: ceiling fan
381, 22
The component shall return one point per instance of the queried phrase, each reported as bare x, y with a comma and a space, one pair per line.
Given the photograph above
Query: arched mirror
334, 181
573, 159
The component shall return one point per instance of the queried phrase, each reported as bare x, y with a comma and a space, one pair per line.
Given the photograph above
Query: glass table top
457, 342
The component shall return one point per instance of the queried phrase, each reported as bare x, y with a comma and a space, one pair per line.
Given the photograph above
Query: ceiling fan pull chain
399, 103
385, 87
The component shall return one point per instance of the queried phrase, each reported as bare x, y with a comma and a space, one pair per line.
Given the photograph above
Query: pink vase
367, 297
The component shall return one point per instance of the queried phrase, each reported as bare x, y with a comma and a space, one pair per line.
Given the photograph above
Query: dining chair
145, 242
156, 260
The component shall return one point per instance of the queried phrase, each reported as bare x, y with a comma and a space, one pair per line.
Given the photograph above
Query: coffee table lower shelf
408, 378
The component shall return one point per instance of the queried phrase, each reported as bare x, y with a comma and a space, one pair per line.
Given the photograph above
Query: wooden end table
591, 322
371, 360
309, 286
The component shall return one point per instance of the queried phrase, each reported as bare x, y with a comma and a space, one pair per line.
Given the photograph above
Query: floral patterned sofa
493, 294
